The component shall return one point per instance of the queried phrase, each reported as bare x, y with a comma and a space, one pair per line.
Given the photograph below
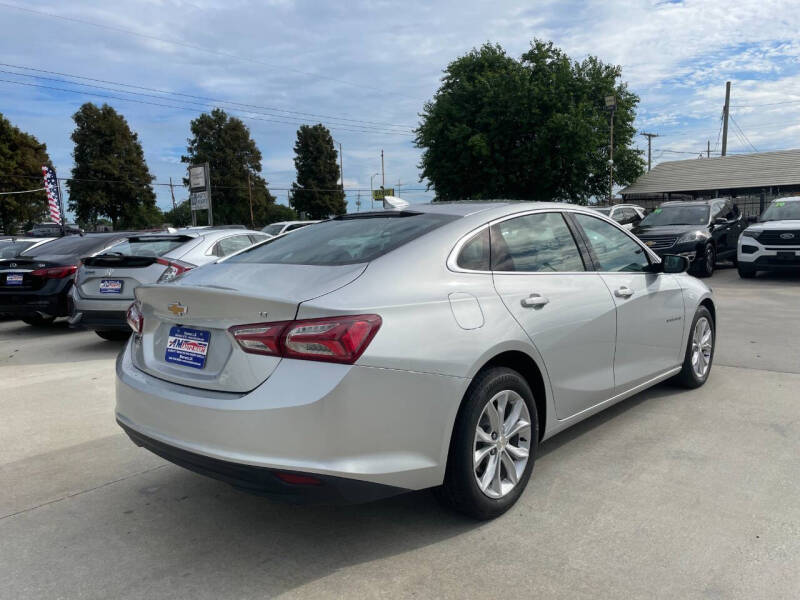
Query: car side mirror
672, 263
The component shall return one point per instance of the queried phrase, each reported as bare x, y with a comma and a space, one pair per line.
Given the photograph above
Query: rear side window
540, 242
149, 246
274, 229
474, 254
232, 244
345, 240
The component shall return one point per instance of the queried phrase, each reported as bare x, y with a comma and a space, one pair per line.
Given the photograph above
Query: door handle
623, 292
534, 301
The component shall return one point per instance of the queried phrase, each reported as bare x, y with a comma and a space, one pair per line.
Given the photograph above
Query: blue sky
364, 68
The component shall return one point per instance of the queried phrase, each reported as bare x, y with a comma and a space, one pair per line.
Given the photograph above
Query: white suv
773, 243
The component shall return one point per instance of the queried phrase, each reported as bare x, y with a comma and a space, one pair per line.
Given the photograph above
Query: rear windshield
273, 229
150, 245
71, 244
344, 240
12, 249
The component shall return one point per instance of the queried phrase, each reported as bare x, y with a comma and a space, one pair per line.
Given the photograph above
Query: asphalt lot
670, 494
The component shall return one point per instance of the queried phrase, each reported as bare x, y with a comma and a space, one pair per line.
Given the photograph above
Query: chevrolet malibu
434, 346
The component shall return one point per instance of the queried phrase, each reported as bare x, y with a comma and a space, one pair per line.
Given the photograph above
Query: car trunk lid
111, 276
185, 338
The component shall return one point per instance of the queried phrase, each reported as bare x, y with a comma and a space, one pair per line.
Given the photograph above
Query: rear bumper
24, 304
100, 319
361, 424
265, 482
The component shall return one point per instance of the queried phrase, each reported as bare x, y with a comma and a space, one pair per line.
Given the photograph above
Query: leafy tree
225, 143
279, 212
110, 177
180, 216
534, 128
316, 192
21, 160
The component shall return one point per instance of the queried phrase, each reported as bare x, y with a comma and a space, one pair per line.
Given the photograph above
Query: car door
650, 311
719, 232
733, 228
565, 308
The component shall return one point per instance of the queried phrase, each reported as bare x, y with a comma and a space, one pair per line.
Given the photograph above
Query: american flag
53, 194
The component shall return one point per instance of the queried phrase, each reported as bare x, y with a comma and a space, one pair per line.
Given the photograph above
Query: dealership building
752, 180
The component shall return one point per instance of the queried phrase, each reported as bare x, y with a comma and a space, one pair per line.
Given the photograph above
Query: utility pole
250, 195
398, 187
611, 105
172, 193
358, 201
341, 168
708, 148
649, 137
383, 174
726, 109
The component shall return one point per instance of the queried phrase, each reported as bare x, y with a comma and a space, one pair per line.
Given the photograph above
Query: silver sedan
429, 347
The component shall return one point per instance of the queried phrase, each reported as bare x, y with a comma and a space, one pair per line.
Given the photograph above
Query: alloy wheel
502, 444
702, 345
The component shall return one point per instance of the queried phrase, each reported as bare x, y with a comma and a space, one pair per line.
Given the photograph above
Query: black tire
460, 490
745, 272
706, 262
38, 321
687, 377
113, 335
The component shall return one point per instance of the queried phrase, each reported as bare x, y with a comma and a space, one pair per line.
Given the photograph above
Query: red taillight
55, 272
174, 268
296, 479
332, 339
135, 318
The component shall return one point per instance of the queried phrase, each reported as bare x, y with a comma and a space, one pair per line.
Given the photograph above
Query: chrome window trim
452, 258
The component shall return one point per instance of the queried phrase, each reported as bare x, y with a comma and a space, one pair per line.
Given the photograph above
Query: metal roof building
762, 174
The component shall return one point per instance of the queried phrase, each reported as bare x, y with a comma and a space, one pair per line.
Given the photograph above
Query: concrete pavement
670, 494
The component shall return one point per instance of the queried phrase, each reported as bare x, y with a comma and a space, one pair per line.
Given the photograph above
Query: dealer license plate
14, 279
111, 286
187, 347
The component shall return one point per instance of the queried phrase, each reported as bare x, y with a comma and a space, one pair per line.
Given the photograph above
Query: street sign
382, 193
197, 177
199, 200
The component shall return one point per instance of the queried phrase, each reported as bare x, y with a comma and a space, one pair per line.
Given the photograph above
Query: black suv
701, 230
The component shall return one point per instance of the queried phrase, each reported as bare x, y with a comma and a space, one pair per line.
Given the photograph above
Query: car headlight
692, 236
751, 233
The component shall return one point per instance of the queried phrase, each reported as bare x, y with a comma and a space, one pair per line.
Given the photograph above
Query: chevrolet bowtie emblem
650, 243
177, 309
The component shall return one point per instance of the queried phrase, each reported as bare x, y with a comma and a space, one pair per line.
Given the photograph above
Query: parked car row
706, 231
91, 278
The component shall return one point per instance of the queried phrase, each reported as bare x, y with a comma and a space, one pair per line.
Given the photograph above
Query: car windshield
782, 211
679, 214
9, 249
71, 244
344, 240
273, 229
605, 211
149, 245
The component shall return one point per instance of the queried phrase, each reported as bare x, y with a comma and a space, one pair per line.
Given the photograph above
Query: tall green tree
110, 177
225, 143
21, 160
534, 128
316, 193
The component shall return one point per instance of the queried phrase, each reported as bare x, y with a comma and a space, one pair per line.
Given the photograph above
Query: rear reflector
341, 339
55, 272
296, 479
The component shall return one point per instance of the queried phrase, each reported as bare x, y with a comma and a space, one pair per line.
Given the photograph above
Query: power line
197, 47
743, 134
204, 98
21, 192
181, 107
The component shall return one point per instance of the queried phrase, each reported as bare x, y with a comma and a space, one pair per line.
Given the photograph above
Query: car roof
704, 202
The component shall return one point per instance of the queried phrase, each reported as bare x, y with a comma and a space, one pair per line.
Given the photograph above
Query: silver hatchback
104, 284
429, 347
